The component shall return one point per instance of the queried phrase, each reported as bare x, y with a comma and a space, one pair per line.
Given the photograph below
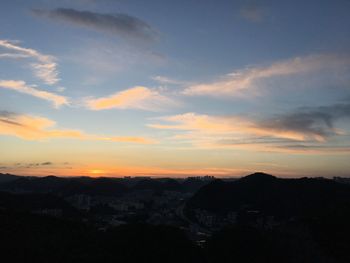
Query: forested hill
271, 195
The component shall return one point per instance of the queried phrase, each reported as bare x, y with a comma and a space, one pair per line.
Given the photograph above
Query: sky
175, 88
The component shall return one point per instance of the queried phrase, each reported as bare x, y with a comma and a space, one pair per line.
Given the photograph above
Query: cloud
318, 149
12, 55
312, 127
140, 140
238, 127
166, 80
46, 163
134, 98
32, 127
314, 121
102, 60
278, 147
38, 166
30, 165
45, 68
22, 87
252, 13
240, 82
118, 24
29, 127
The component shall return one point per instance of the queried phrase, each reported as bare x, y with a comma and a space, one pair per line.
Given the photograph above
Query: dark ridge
271, 195
65, 186
259, 177
7, 177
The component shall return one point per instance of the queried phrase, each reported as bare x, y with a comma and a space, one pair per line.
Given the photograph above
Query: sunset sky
174, 88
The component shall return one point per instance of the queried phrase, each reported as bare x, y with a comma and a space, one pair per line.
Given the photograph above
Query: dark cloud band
119, 24
311, 120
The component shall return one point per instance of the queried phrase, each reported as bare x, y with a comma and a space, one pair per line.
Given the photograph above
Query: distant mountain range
7, 177
94, 186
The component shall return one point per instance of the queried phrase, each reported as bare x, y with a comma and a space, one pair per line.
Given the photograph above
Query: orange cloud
38, 128
237, 127
33, 128
22, 87
239, 133
134, 98
141, 140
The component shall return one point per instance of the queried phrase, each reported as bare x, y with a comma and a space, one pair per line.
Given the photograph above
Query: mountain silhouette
66, 186
271, 195
7, 177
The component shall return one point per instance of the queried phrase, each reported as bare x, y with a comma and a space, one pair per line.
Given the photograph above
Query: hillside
271, 195
7, 177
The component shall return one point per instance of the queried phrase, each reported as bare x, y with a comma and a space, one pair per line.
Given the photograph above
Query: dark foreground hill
65, 186
270, 195
7, 177
281, 220
33, 238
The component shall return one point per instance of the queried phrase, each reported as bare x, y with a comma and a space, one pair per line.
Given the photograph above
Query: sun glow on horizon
96, 171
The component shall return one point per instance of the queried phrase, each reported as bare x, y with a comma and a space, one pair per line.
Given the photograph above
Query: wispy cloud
252, 13
46, 163
308, 127
45, 68
13, 55
314, 149
22, 87
29, 127
241, 82
102, 60
32, 127
32, 165
317, 122
126, 139
167, 80
278, 147
118, 24
238, 127
134, 98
